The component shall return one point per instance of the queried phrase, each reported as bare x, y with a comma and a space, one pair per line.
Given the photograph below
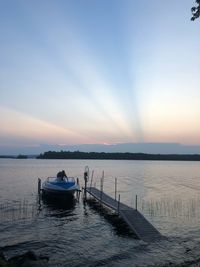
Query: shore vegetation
117, 156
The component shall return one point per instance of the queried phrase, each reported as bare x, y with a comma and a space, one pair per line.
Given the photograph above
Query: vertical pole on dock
101, 183
39, 186
100, 190
91, 180
102, 180
136, 202
78, 191
86, 180
118, 204
77, 181
115, 189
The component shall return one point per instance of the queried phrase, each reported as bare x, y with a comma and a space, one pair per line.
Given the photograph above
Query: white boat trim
54, 185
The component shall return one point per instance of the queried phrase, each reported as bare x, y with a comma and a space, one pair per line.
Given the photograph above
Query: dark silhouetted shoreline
117, 156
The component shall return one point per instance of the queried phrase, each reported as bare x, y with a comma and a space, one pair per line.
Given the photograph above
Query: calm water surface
78, 234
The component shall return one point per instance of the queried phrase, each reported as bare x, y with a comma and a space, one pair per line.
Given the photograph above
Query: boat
65, 186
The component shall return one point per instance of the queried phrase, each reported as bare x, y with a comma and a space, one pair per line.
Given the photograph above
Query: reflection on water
185, 213
57, 206
189, 208
119, 226
77, 233
18, 210
58, 202
24, 210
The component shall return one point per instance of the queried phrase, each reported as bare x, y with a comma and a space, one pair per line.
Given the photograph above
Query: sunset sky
99, 72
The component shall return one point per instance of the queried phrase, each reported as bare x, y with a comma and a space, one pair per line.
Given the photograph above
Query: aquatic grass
187, 208
18, 210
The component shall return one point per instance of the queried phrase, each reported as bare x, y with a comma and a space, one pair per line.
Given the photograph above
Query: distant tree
116, 156
21, 156
195, 10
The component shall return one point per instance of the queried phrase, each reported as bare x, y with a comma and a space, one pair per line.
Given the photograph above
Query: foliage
115, 156
6, 157
13, 157
196, 10
21, 156
2, 263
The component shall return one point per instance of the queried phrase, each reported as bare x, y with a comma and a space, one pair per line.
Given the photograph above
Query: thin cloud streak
23, 125
100, 71
86, 74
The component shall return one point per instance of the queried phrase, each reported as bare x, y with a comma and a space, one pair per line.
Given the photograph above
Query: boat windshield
68, 179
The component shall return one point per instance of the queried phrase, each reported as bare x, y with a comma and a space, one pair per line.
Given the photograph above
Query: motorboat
65, 186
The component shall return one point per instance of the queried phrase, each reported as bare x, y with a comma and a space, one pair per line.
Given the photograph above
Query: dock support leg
91, 180
86, 176
136, 202
39, 186
118, 204
115, 189
85, 186
101, 186
78, 191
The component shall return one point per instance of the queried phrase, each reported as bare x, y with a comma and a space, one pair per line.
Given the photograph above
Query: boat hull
56, 187
48, 191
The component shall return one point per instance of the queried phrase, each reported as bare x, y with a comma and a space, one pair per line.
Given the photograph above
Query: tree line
13, 157
116, 156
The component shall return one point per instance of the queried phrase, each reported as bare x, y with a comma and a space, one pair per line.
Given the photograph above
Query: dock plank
136, 221
140, 225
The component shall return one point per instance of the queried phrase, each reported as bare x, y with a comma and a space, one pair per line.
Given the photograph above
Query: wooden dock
136, 221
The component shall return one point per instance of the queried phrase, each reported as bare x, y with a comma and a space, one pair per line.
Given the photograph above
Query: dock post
101, 188
118, 204
102, 180
115, 189
85, 179
91, 180
77, 181
78, 191
39, 186
136, 202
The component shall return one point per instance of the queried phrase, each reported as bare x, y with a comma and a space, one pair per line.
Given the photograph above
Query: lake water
79, 235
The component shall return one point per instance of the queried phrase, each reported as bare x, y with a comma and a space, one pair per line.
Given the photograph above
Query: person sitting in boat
61, 175
64, 175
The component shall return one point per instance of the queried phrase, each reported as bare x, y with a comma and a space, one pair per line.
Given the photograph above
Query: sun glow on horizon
79, 73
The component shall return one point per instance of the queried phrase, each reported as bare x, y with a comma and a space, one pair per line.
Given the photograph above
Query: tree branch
195, 11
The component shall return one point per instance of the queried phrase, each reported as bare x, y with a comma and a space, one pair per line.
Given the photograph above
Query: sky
98, 72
